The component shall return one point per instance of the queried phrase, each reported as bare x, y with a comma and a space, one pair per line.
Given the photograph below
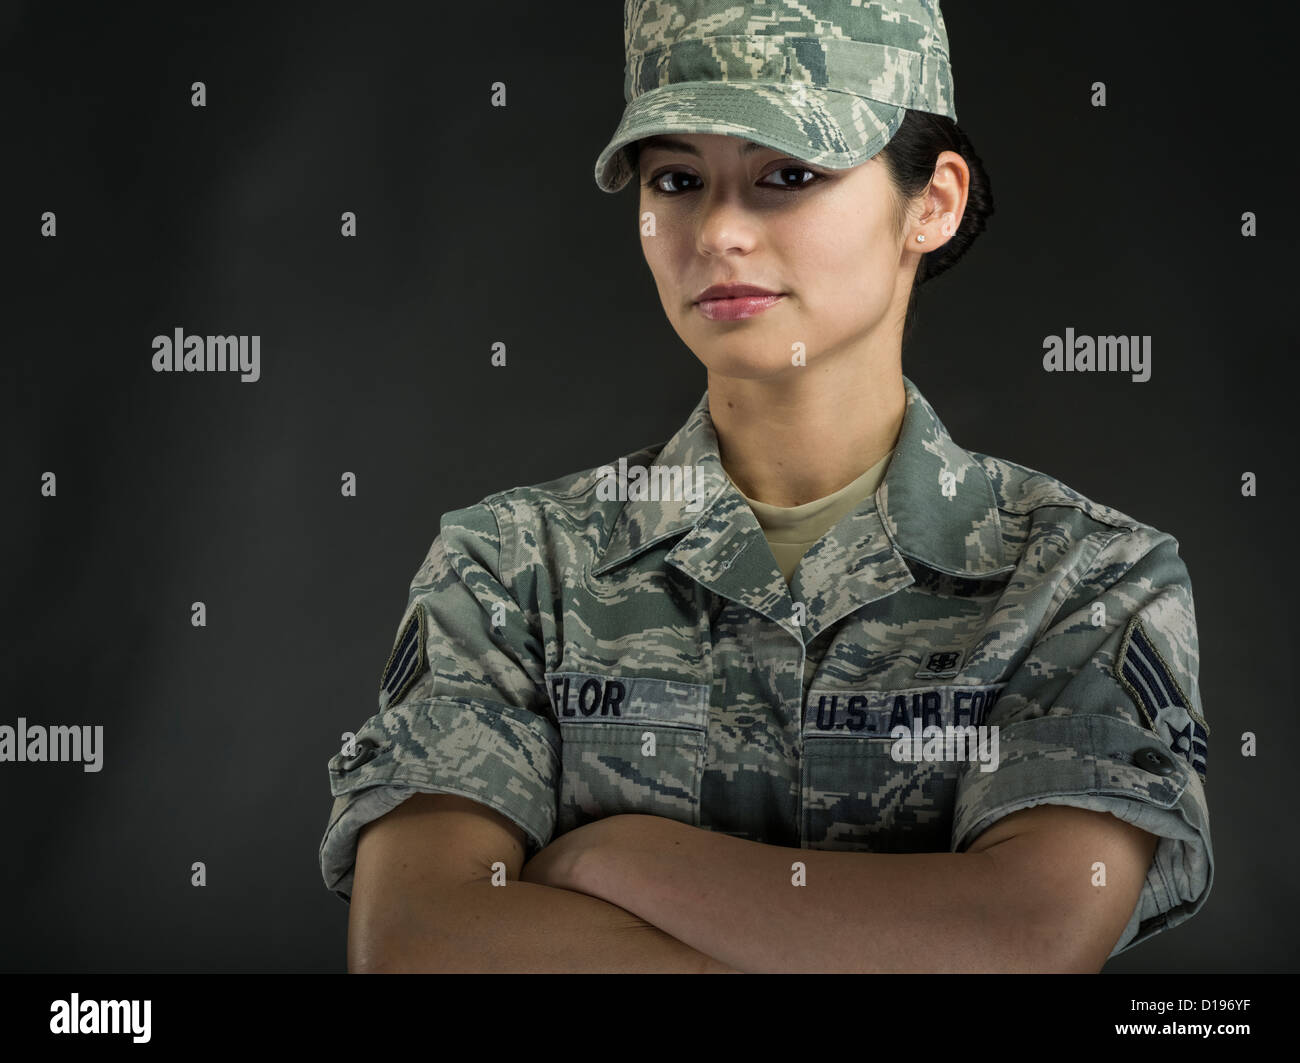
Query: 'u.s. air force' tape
406, 663
1152, 685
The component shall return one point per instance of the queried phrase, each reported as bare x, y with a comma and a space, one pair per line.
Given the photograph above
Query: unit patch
942, 664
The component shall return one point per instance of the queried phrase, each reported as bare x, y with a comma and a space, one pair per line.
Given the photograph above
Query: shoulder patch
1152, 685
406, 663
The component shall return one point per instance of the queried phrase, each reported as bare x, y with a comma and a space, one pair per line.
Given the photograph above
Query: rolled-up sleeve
462, 703
1105, 713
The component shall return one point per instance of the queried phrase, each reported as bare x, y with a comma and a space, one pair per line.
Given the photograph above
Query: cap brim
821, 126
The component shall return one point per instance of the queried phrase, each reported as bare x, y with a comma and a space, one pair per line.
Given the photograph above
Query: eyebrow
673, 144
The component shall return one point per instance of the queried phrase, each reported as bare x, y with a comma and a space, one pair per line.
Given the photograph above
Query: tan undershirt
792, 530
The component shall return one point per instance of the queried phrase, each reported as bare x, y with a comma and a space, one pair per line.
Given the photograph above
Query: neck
806, 433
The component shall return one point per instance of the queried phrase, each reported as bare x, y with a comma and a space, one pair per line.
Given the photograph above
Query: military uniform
564, 657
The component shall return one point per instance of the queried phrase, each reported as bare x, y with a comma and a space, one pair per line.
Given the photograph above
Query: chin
743, 365
747, 353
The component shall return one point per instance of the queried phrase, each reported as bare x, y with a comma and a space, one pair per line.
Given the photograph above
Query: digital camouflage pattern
549, 635
826, 81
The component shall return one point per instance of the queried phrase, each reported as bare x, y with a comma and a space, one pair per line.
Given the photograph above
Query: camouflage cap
826, 81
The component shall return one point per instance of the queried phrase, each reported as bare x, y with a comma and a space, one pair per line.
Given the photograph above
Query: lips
738, 307
733, 291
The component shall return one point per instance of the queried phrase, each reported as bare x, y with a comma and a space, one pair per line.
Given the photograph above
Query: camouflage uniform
548, 632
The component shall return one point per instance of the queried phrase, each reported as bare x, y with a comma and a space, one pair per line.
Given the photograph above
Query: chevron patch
1151, 683
406, 663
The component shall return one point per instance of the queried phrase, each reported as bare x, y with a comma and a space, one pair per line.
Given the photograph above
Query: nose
724, 224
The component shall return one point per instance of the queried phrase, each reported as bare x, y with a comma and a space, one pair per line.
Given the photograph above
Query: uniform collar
935, 505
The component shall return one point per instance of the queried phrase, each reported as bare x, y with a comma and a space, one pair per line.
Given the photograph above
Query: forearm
524, 927
868, 912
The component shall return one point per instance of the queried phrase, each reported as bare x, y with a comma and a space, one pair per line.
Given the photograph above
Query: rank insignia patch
1154, 688
406, 663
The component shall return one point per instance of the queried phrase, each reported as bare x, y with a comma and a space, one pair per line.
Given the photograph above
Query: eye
781, 171
656, 183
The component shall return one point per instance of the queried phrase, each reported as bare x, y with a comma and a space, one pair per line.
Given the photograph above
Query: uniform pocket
628, 744
857, 795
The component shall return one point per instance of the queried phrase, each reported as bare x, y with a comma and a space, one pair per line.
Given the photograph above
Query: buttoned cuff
1106, 764
499, 755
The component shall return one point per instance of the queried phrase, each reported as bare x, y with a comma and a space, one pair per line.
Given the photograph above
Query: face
824, 242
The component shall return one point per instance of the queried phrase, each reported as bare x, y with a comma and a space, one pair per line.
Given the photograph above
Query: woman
809, 686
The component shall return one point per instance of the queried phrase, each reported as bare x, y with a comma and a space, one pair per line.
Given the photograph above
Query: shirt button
366, 749
1154, 760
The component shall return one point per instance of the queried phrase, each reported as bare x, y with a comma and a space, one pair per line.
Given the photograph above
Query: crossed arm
644, 893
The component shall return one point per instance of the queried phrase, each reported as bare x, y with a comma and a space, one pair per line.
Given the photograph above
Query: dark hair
910, 156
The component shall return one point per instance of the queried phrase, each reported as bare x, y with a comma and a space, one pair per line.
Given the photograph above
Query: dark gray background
480, 224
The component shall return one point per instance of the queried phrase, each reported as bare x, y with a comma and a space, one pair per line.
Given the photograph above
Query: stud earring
920, 239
